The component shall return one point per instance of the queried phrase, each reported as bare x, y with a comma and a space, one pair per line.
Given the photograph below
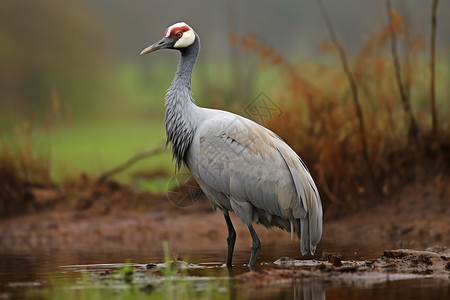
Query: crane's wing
250, 164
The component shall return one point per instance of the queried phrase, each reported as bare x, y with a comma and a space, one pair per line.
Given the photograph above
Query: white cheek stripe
186, 40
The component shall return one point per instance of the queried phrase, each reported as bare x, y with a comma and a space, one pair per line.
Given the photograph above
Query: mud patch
392, 265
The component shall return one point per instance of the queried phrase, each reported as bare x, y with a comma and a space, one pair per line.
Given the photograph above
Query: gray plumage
240, 165
180, 125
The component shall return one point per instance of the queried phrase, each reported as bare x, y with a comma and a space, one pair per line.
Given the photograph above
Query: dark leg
231, 239
256, 246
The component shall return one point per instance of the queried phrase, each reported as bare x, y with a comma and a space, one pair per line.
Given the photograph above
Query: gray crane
240, 165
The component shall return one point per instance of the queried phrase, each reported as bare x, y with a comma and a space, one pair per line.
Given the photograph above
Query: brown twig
433, 71
413, 129
323, 183
135, 158
354, 90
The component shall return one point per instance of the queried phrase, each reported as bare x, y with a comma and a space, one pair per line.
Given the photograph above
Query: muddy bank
95, 228
111, 216
392, 265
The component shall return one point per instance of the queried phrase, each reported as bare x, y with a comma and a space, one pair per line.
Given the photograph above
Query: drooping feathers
179, 129
262, 179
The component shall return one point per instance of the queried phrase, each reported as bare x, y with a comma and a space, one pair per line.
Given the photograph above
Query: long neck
185, 66
180, 107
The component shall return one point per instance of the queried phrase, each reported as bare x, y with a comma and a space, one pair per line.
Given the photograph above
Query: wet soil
111, 216
398, 264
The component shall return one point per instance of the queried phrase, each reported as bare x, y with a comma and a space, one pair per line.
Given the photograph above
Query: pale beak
164, 43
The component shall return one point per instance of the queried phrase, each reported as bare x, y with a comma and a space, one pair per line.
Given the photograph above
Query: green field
109, 128
119, 115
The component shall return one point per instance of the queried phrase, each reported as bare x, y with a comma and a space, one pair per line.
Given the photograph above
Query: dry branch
413, 129
354, 90
135, 158
433, 71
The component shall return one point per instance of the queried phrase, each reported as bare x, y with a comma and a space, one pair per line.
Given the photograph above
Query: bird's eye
179, 34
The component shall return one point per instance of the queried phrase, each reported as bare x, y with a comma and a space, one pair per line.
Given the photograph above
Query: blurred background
76, 97
358, 88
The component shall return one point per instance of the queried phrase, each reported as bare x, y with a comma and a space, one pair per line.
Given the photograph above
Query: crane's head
178, 36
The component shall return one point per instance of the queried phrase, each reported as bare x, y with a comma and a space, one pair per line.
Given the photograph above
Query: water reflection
305, 290
218, 276
201, 277
313, 291
19, 269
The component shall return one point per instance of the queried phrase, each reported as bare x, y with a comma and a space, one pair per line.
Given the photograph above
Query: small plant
21, 167
171, 268
132, 281
126, 273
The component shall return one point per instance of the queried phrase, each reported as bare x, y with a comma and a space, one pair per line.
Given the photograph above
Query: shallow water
37, 264
38, 270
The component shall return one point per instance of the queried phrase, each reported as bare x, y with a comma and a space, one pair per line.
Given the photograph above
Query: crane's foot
256, 247
231, 239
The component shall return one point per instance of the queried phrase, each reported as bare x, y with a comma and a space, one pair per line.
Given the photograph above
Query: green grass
122, 117
119, 115
97, 147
